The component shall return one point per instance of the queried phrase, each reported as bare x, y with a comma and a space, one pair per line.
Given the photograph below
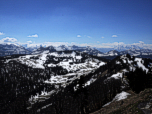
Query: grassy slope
130, 105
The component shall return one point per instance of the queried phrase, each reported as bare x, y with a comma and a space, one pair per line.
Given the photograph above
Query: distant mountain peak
126, 47
10, 49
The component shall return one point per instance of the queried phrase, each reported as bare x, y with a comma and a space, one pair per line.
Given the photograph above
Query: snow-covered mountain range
126, 47
123, 47
133, 52
89, 50
137, 52
9, 49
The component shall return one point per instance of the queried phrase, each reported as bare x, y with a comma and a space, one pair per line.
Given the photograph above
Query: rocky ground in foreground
135, 104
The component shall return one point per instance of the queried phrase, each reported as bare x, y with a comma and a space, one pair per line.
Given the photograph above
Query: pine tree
82, 92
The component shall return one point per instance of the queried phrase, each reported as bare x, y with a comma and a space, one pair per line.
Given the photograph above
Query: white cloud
102, 37
78, 36
89, 36
29, 41
114, 36
7, 39
1, 33
98, 42
111, 45
141, 42
34, 36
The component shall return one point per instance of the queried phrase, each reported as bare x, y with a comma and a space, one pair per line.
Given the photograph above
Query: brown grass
129, 106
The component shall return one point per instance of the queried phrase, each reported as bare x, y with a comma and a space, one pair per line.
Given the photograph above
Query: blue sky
80, 21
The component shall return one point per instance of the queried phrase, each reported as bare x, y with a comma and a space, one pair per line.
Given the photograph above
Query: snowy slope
137, 62
71, 61
131, 63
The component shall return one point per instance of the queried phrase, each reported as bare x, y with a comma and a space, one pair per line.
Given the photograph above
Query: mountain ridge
53, 79
144, 53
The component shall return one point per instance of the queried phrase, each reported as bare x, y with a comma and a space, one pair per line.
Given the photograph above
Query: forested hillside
23, 87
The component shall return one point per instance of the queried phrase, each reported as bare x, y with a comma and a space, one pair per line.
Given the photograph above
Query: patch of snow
129, 61
124, 70
118, 97
140, 65
132, 68
136, 54
145, 54
90, 81
116, 76
121, 96
78, 57
124, 61
117, 62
